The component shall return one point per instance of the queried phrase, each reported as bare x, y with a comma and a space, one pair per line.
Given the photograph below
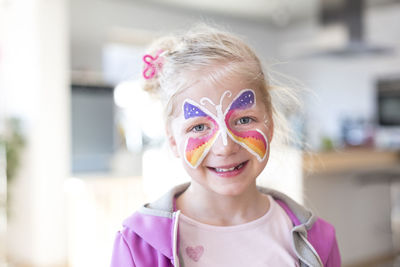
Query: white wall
343, 86
341, 89
34, 61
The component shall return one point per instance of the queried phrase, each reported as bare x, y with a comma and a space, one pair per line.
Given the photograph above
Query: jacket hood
153, 220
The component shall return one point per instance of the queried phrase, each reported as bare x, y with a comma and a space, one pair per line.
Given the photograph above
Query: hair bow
152, 64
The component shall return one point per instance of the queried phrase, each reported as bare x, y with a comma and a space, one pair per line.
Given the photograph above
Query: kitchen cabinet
355, 190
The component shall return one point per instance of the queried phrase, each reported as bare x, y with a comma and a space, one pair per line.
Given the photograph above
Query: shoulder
319, 233
145, 239
122, 252
133, 228
321, 229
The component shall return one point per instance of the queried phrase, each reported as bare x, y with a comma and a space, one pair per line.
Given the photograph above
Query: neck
212, 208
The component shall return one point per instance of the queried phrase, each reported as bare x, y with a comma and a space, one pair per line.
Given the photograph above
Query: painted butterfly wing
197, 148
254, 141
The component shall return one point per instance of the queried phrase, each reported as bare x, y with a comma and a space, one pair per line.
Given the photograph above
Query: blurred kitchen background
81, 146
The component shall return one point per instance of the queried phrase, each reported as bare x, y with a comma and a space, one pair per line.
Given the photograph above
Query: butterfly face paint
197, 148
254, 141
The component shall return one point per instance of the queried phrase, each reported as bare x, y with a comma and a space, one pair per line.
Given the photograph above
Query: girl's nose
221, 149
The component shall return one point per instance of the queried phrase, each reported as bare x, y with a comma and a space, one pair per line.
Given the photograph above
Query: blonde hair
212, 54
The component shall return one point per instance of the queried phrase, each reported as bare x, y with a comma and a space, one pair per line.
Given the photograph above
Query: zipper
175, 239
312, 249
304, 239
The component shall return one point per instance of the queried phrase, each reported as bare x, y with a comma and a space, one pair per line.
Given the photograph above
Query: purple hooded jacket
149, 237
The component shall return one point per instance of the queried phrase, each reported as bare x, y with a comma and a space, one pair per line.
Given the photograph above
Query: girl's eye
199, 128
244, 120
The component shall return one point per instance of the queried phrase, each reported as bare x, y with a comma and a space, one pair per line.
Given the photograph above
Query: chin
230, 190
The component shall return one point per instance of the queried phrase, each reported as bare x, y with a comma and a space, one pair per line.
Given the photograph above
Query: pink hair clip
152, 64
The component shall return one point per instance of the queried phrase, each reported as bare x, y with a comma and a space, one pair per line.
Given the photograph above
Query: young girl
220, 122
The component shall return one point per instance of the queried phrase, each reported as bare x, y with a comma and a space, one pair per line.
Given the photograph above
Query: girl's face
222, 134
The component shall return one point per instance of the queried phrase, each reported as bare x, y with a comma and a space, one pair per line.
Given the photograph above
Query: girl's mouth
229, 172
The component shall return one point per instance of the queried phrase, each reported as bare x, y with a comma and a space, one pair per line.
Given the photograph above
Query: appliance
341, 32
351, 15
388, 101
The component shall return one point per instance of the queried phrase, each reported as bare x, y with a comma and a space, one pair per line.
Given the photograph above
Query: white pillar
35, 83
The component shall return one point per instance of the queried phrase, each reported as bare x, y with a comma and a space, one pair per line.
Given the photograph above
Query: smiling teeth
225, 170
230, 169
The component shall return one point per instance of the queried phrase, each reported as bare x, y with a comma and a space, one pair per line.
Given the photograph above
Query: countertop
349, 159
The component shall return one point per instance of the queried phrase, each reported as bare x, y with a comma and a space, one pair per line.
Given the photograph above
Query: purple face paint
244, 101
191, 111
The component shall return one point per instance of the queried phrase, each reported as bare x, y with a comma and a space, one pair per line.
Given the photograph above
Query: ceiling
277, 12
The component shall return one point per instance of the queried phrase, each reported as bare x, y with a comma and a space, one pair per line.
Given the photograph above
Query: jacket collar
153, 220
164, 206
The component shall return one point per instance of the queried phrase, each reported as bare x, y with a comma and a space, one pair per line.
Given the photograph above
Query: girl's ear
172, 142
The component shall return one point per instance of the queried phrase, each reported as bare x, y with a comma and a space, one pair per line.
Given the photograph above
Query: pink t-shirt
266, 241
